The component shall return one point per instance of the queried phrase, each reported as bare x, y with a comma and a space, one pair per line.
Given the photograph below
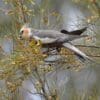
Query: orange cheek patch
25, 34
26, 30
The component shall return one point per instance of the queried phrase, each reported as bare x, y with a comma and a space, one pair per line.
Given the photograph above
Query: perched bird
55, 39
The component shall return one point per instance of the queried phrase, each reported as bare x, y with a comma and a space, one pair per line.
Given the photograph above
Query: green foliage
24, 59
20, 64
20, 9
27, 58
93, 7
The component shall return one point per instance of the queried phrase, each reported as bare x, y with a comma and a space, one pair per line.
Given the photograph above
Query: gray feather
51, 36
76, 51
76, 32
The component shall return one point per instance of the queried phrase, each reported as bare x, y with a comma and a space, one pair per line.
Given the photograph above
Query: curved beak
20, 37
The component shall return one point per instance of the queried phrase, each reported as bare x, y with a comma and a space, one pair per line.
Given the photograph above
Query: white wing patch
45, 40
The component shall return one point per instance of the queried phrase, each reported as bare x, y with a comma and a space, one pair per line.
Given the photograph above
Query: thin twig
34, 93
87, 55
46, 82
42, 84
97, 6
22, 10
88, 46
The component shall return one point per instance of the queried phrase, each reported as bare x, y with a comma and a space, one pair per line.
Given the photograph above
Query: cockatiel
55, 39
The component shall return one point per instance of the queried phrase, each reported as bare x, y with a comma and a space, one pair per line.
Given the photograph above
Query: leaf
32, 2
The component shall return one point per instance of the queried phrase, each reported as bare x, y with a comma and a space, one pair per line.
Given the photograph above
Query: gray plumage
79, 53
56, 39
52, 36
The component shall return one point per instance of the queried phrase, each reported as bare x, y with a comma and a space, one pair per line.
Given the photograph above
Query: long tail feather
79, 53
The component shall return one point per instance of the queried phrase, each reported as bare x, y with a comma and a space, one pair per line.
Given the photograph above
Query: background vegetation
25, 60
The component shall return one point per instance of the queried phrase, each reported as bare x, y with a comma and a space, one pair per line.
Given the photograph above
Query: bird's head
25, 32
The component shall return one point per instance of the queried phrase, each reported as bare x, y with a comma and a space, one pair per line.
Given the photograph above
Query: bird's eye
21, 32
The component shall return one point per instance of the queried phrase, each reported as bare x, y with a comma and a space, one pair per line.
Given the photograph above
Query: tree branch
87, 55
87, 46
22, 10
97, 6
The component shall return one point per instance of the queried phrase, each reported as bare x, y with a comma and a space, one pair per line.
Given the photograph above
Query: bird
55, 39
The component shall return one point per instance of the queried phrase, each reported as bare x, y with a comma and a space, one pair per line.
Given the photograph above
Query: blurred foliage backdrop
23, 73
